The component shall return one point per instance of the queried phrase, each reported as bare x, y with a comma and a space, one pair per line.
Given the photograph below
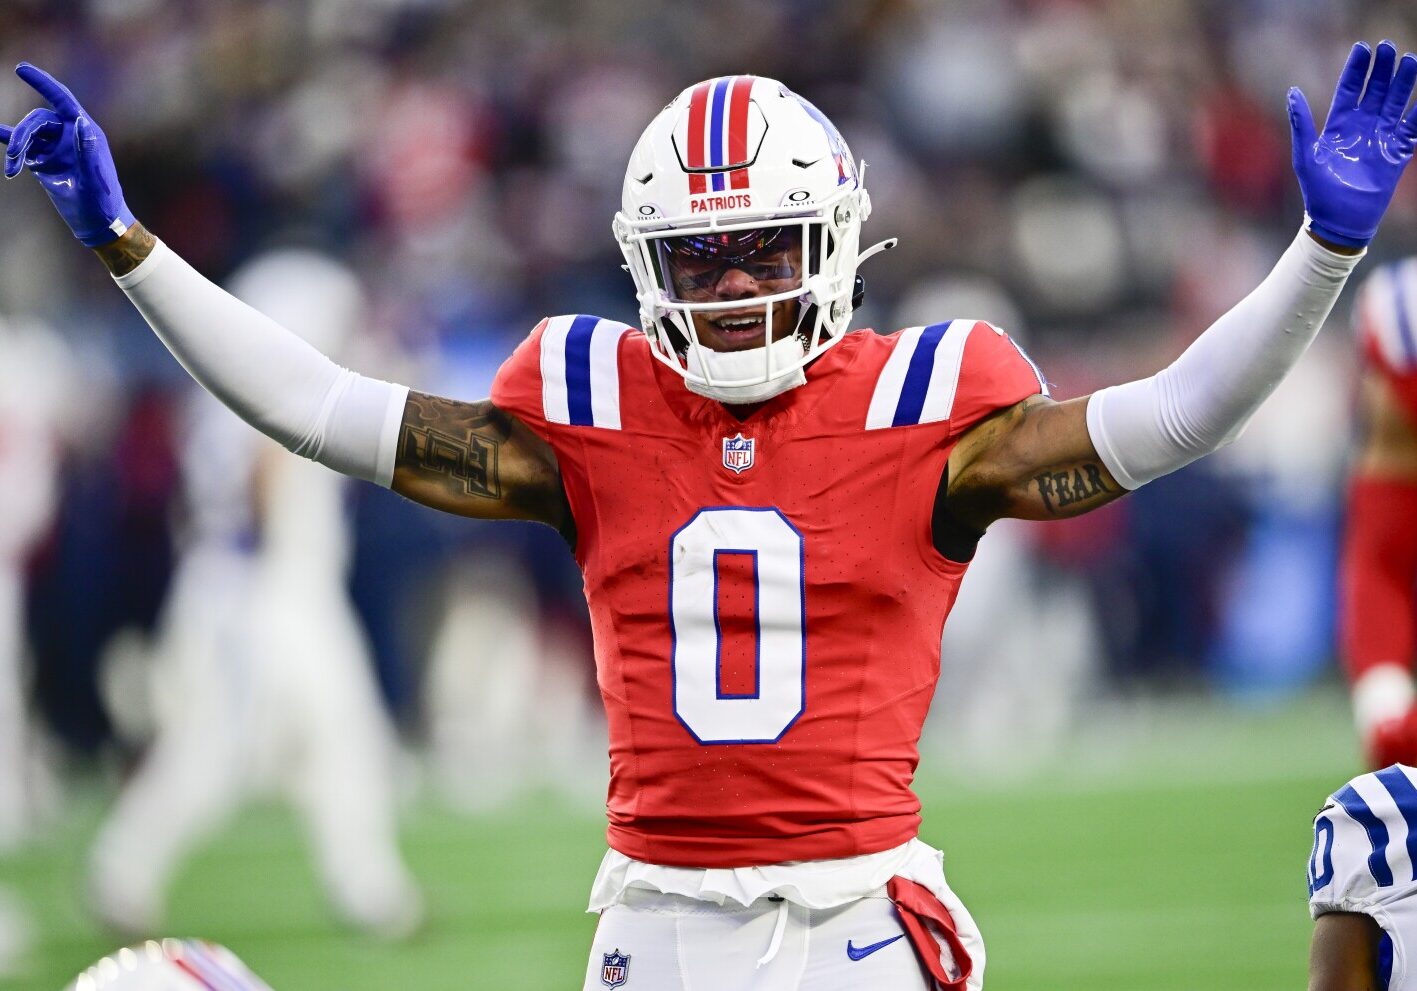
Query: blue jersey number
1321, 859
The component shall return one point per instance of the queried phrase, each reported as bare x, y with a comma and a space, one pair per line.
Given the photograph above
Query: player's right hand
68, 153
1393, 741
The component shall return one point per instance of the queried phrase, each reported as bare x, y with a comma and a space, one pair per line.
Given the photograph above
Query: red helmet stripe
738, 128
698, 103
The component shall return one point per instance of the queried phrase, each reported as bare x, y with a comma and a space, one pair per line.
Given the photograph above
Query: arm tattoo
127, 253
467, 458
1062, 489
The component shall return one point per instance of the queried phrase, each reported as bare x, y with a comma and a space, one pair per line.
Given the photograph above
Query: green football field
1164, 848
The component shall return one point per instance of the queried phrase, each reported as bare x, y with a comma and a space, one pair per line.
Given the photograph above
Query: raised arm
465, 458
1045, 460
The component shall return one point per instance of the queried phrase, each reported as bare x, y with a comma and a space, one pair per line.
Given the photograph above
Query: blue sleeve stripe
917, 376
1359, 812
1405, 796
578, 395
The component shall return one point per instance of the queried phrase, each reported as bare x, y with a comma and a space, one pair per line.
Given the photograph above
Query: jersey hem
758, 852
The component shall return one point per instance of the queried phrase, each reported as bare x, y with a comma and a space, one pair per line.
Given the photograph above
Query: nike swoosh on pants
860, 953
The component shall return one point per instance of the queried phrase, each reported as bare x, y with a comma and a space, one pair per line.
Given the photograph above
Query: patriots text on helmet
734, 201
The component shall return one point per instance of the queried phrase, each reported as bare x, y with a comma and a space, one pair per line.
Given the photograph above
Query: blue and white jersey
1364, 860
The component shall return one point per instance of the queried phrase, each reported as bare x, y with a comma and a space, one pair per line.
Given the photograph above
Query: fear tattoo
467, 458
1061, 489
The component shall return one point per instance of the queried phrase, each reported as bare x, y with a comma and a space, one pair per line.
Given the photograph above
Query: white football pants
268, 688
682, 944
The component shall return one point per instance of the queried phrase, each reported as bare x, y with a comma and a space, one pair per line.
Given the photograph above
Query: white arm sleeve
267, 375
1202, 401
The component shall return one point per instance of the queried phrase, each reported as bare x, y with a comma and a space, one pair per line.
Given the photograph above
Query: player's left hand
68, 153
1349, 172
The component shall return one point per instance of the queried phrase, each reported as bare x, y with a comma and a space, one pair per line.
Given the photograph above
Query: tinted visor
693, 265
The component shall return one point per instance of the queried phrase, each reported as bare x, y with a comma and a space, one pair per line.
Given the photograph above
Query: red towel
919, 911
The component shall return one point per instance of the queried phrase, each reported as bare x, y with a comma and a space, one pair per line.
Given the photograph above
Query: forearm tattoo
457, 442
1071, 488
127, 253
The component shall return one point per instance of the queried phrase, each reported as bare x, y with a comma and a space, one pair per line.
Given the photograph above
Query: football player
264, 673
772, 511
1361, 885
1378, 617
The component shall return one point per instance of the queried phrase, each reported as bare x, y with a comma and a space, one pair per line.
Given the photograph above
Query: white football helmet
169, 965
735, 167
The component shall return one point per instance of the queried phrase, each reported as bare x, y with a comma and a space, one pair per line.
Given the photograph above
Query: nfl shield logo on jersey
614, 969
738, 453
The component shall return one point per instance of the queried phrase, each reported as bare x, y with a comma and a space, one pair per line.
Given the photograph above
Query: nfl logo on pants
614, 969
738, 453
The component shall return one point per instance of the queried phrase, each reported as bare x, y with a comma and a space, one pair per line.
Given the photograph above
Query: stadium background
1121, 776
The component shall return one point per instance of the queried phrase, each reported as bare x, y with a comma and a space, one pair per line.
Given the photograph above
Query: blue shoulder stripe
917, 376
917, 383
1404, 795
1359, 812
580, 371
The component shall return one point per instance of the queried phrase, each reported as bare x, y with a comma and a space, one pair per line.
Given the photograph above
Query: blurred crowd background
1101, 177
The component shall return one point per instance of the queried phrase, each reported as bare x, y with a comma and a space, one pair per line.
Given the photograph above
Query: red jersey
765, 596
1386, 318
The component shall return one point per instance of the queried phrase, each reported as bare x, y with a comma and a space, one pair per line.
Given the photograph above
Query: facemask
728, 366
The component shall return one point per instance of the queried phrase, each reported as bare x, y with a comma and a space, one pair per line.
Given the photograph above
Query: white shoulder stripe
944, 376
918, 382
605, 374
553, 370
883, 401
1384, 806
580, 371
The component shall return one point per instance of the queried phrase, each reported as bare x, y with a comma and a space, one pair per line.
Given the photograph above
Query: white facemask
728, 366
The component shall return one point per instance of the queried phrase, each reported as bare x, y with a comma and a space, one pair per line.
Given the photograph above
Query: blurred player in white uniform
262, 670
34, 387
1363, 885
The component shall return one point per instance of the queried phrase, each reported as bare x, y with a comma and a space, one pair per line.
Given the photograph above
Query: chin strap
729, 365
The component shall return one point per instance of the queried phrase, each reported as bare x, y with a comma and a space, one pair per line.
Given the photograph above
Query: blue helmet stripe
1359, 812
917, 376
718, 136
578, 371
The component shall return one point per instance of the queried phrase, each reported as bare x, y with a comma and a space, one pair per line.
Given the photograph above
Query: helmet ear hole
858, 293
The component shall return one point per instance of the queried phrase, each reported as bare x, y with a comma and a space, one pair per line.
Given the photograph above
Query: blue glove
69, 156
1349, 172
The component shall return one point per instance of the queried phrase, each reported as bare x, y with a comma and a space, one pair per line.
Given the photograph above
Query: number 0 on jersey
762, 553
